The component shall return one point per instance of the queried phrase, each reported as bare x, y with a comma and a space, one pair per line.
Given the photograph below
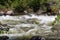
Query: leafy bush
21, 5
35, 5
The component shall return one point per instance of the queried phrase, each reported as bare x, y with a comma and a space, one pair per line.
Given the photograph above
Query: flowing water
27, 25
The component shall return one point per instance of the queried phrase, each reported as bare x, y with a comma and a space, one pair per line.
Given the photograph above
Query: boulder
10, 12
2, 13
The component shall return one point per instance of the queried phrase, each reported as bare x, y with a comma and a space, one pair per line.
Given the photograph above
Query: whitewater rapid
23, 27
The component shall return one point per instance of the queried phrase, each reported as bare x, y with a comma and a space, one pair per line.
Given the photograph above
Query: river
25, 25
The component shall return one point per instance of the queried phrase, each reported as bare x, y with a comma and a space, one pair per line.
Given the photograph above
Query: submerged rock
4, 27
33, 20
37, 38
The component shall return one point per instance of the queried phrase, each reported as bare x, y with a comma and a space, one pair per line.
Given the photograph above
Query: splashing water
27, 24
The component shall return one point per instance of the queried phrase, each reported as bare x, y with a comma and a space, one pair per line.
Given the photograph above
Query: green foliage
35, 5
21, 5
6, 3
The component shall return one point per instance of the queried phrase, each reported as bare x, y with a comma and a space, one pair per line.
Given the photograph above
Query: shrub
19, 5
35, 5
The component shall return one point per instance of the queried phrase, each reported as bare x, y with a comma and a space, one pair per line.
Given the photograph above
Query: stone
4, 27
4, 37
37, 38
59, 11
2, 24
10, 12
39, 12
34, 20
2, 13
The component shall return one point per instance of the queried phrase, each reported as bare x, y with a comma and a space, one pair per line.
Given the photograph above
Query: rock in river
4, 37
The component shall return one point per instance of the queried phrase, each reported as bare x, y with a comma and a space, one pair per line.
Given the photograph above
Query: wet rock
2, 13
37, 38
3, 24
0, 23
4, 37
4, 27
25, 12
10, 12
39, 12
59, 11
34, 20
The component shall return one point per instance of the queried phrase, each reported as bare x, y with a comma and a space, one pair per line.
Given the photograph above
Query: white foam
43, 20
